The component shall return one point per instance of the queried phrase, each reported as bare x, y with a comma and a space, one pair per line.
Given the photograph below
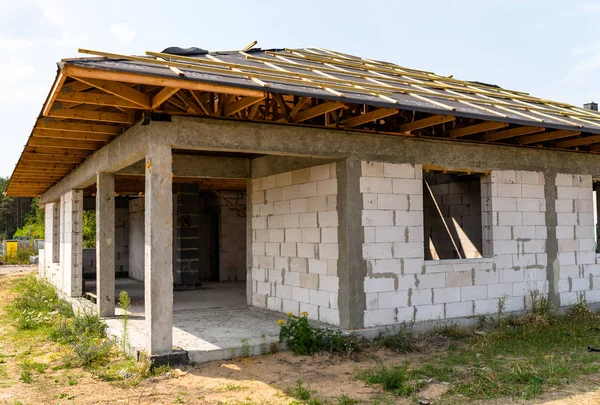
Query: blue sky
547, 48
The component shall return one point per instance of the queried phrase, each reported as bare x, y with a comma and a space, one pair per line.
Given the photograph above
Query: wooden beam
95, 99
569, 143
368, 117
425, 123
162, 96
54, 151
60, 79
44, 165
477, 128
58, 125
65, 143
88, 73
84, 136
37, 157
116, 89
315, 111
511, 133
85, 115
241, 104
546, 136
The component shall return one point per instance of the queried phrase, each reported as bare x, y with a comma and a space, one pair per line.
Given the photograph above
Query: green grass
518, 358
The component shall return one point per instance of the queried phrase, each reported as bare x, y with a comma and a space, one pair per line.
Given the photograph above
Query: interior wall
232, 237
459, 200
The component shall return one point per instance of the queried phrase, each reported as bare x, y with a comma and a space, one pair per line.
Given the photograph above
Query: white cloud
122, 32
588, 58
593, 6
53, 11
20, 82
14, 44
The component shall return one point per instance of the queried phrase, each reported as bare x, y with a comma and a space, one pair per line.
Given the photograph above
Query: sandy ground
9, 269
258, 380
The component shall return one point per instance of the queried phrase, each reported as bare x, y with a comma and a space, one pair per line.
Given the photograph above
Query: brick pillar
73, 243
105, 244
158, 276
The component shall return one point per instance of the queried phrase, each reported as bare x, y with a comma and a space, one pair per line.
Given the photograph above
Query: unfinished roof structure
361, 193
93, 100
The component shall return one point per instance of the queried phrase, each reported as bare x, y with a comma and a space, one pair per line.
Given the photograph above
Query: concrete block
322, 172
534, 218
291, 221
377, 250
377, 218
316, 204
444, 295
585, 218
586, 244
403, 249
413, 266
298, 206
390, 234
298, 264
375, 185
258, 197
290, 192
485, 307
371, 169
408, 186
330, 283
459, 309
394, 299
392, 202
328, 218
317, 266
380, 317
529, 178
502, 232
308, 220
289, 306
399, 171
486, 277
534, 246
510, 218
500, 290
293, 235
503, 176
415, 233
380, 284
309, 281
307, 250
266, 262
300, 294
505, 204
328, 251
372, 301
565, 218
320, 298
274, 194
586, 206
421, 296
272, 249
564, 179
269, 182
504, 247
531, 205
281, 263
429, 312
276, 235
523, 232
509, 190
459, 278
259, 223
369, 234
567, 193
386, 266
275, 222
329, 235
437, 280
307, 190
329, 315
327, 187
565, 232
311, 235
584, 231
283, 179
476, 292
565, 205
293, 277
301, 176
370, 201
257, 184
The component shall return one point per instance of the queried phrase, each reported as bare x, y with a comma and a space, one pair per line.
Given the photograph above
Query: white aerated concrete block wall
401, 286
579, 271
295, 242
52, 269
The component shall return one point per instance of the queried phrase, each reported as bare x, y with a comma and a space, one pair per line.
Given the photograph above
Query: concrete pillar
73, 243
105, 245
352, 268
158, 272
553, 267
249, 242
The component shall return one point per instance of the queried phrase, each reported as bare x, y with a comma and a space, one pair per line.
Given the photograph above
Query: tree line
19, 216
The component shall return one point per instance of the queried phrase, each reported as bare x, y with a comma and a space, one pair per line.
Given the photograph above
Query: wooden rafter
84, 136
241, 104
95, 99
116, 89
569, 143
53, 93
369, 117
65, 143
476, 129
511, 133
315, 111
54, 151
546, 136
99, 116
425, 123
36, 157
162, 96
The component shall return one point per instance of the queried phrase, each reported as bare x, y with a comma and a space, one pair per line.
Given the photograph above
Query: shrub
301, 337
91, 351
580, 310
70, 330
401, 341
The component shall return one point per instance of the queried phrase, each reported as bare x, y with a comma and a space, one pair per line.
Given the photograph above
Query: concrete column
553, 267
352, 268
105, 245
158, 272
249, 242
73, 244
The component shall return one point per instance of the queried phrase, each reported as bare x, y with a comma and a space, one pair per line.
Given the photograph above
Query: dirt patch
9, 269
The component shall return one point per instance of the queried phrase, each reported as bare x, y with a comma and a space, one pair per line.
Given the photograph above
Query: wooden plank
241, 104
115, 88
425, 123
37, 157
511, 133
58, 125
368, 117
85, 115
546, 136
82, 73
95, 99
84, 136
315, 111
475, 129
162, 96
60, 79
65, 143
569, 143
54, 151
45, 165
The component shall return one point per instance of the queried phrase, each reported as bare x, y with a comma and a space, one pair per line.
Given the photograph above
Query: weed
300, 391
346, 400
540, 304
273, 347
125, 304
26, 376
232, 386
264, 347
398, 379
245, 349
481, 322
502, 305
335, 341
581, 310
90, 351
71, 382
402, 340
301, 337
454, 331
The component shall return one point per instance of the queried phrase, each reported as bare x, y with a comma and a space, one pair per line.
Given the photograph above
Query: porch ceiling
95, 99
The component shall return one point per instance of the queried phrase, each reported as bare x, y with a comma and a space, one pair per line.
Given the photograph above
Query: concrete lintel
352, 268
273, 164
105, 244
125, 150
210, 134
223, 167
158, 268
